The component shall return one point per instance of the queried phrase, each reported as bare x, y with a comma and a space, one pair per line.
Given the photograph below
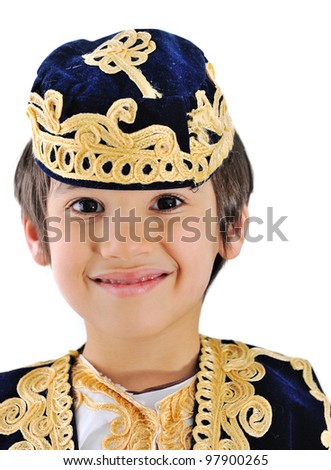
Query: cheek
194, 248
61, 263
68, 273
68, 257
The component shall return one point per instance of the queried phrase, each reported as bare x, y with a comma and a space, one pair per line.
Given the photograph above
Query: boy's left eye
167, 202
87, 206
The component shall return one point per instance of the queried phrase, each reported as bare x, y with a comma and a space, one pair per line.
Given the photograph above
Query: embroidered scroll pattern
92, 147
42, 412
173, 413
227, 405
137, 427
300, 364
123, 53
315, 391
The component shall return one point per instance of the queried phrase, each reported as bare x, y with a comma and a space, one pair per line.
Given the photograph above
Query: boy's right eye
87, 206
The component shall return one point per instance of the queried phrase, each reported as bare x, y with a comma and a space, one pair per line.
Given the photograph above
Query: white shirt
102, 411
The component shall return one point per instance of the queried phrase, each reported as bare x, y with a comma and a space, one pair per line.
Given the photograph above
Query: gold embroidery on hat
92, 147
123, 53
42, 412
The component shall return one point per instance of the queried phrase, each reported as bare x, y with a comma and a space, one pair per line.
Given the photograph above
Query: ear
235, 237
34, 242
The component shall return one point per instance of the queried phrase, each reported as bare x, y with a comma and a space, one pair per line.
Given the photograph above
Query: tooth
141, 279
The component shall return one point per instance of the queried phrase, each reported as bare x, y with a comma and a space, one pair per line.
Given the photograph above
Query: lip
128, 284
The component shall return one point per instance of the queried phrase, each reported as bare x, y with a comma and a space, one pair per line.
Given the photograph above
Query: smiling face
133, 263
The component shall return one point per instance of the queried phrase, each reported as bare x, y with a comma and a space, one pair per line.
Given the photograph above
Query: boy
135, 193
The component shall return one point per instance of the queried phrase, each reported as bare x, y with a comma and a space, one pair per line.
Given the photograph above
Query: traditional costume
241, 398
142, 110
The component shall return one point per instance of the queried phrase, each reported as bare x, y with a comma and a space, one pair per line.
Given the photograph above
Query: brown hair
31, 188
233, 185
232, 182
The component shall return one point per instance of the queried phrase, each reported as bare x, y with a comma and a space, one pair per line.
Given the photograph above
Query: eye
167, 203
87, 206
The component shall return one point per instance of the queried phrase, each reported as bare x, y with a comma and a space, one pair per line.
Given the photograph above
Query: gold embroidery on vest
315, 391
300, 364
227, 405
42, 412
123, 53
100, 151
137, 427
173, 413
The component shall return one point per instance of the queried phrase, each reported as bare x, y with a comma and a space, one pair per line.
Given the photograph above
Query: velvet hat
139, 109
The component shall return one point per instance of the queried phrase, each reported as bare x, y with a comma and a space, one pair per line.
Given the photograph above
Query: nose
124, 237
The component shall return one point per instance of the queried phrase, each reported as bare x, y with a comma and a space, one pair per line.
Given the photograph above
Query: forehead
63, 190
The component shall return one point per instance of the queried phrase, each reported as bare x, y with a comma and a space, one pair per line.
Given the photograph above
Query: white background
272, 60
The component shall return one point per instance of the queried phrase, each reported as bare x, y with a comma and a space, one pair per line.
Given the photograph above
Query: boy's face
133, 263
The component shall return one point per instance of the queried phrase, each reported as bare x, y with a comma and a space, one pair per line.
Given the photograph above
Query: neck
144, 363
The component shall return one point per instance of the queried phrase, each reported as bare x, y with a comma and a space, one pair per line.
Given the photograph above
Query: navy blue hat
133, 110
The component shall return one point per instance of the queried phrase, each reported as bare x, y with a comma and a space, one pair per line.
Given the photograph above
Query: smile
127, 285
130, 282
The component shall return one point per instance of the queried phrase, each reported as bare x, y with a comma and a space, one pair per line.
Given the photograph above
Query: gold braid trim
226, 398
136, 427
173, 413
314, 390
99, 151
123, 53
227, 405
133, 429
42, 412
